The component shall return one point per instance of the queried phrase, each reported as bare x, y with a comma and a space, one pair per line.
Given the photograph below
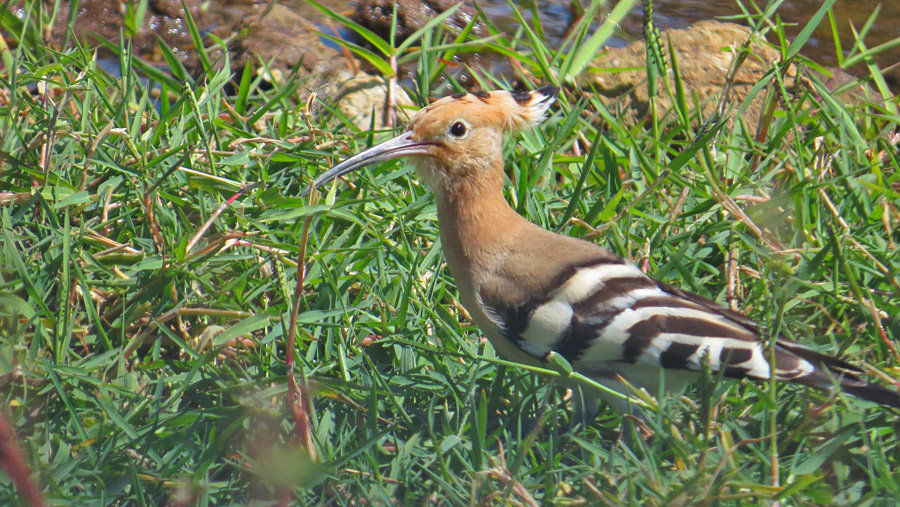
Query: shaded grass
139, 370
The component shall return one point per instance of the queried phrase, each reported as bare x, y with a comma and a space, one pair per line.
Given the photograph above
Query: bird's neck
477, 227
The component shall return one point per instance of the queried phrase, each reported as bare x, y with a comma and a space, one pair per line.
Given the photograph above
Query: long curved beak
400, 146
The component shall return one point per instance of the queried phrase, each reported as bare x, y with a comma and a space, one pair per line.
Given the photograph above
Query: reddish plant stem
297, 395
13, 464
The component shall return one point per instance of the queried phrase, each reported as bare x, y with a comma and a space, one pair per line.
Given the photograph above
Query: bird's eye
458, 129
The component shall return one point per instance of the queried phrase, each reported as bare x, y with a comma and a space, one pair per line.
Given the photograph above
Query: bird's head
457, 138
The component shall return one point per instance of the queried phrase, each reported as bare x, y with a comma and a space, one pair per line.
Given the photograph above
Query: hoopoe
533, 292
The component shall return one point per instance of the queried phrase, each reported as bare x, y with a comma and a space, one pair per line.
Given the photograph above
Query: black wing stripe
712, 306
826, 361
580, 334
515, 316
642, 333
665, 301
577, 339
734, 355
677, 354
591, 315
789, 366
611, 288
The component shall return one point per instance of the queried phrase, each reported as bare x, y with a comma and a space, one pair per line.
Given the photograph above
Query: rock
164, 19
358, 96
282, 38
412, 15
279, 35
703, 52
858, 92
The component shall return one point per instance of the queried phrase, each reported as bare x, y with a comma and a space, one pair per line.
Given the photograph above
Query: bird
536, 294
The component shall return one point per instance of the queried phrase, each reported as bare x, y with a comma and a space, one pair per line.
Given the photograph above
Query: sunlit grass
141, 361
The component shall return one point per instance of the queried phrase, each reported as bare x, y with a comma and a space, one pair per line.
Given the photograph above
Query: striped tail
831, 371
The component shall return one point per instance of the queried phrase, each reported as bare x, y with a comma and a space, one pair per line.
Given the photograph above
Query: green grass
139, 371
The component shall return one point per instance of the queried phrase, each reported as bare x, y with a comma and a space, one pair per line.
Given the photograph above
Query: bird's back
609, 319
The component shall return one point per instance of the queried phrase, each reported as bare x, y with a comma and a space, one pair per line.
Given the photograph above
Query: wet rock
284, 37
411, 15
164, 19
281, 37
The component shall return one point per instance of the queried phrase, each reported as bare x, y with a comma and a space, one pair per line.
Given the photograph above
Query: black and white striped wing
607, 318
611, 312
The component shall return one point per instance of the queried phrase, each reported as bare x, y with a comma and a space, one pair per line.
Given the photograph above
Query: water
795, 14
556, 17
